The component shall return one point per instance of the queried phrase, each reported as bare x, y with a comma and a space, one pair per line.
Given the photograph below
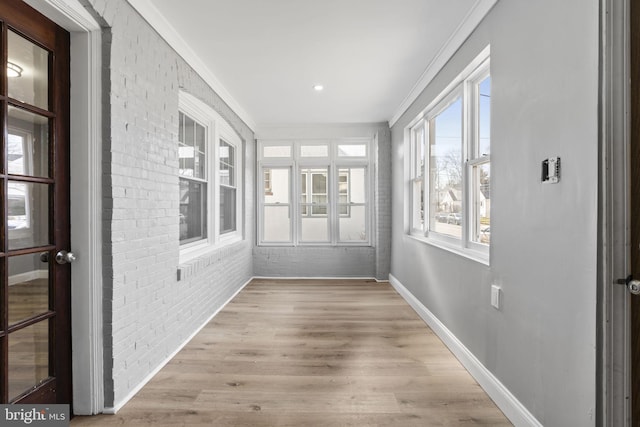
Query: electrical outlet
496, 297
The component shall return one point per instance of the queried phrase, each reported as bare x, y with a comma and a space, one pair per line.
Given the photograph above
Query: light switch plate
496, 297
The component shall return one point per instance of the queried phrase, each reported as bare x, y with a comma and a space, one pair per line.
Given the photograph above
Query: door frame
613, 369
86, 144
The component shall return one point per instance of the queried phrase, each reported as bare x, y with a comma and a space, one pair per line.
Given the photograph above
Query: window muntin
449, 166
193, 179
323, 191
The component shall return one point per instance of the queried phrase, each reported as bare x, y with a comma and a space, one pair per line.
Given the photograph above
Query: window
209, 158
450, 165
330, 184
227, 187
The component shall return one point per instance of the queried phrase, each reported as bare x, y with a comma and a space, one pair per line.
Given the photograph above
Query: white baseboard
320, 278
503, 398
116, 407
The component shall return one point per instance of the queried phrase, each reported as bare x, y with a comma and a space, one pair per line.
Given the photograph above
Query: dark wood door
635, 208
35, 328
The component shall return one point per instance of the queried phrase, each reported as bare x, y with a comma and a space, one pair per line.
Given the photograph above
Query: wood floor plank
312, 353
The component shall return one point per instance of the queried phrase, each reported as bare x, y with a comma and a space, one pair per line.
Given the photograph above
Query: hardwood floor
311, 353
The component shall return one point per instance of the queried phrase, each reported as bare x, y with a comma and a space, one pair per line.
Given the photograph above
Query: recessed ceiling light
318, 88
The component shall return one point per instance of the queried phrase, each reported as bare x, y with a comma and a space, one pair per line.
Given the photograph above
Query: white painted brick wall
148, 312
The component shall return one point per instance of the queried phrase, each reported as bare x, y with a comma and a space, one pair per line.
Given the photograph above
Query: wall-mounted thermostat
551, 170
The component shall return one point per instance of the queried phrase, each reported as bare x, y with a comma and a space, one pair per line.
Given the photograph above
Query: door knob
634, 287
64, 257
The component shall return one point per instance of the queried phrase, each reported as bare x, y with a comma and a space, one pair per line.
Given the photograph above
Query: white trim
28, 276
515, 411
86, 199
614, 388
461, 33
159, 23
117, 406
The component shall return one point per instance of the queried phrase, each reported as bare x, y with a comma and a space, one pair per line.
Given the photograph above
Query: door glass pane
28, 287
28, 214
277, 224
28, 358
28, 144
353, 224
29, 65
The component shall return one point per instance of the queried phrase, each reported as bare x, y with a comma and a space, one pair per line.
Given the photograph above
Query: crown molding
469, 23
159, 23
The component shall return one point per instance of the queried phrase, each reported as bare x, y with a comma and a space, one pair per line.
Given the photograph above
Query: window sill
481, 257
204, 249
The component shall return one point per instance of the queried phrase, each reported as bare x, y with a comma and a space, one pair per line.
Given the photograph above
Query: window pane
314, 151
484, 116
315, 228
352, 150
200, 137
272, 151
482, 184
417, 221
189, 132
277, 224
353, 226
279, 186
227, 209
192, 148
227, 165
445, 171
352, 184
193, 202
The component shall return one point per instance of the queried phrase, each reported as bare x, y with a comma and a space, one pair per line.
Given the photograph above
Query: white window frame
216, 129
333, 163
464, 86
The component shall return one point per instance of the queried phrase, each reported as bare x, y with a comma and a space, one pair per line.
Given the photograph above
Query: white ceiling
264, 56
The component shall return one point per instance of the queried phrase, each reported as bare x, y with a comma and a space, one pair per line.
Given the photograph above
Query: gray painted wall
339, 261
148, 313
542, 344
